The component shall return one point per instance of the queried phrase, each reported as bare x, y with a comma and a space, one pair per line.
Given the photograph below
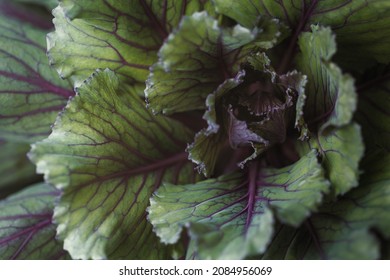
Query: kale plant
192, 129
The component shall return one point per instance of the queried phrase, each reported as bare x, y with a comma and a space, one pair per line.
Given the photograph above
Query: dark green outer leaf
343, 229
29, 14
31, 93
16, 170
374, 116
26, 229
362, 27
247, 12
109, 153
49, 4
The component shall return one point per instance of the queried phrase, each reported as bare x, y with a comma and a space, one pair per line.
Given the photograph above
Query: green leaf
121, 35
362, 27
15, 168
366, 208
345, 104
245, 12
214, 210
205, 151
31, 93
49, 4
341, 151
365, 36
248, 12
296, 190
108, 154
229, 217
29, 14
26, 229
343, 229
373, 115
298, 81
209, 54
232, 242
330, 95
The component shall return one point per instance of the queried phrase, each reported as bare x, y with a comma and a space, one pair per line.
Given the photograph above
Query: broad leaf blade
215, 213
109, 153
121, 35
229, 217
26, 229
15, 168
247, 12
365, 37
31, 93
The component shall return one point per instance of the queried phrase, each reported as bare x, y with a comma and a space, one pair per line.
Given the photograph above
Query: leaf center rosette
250, 113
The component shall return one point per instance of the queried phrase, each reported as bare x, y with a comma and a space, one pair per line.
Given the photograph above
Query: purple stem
286, 61
252, 174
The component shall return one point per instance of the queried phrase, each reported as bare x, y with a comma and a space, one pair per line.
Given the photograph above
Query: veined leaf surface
109, 154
